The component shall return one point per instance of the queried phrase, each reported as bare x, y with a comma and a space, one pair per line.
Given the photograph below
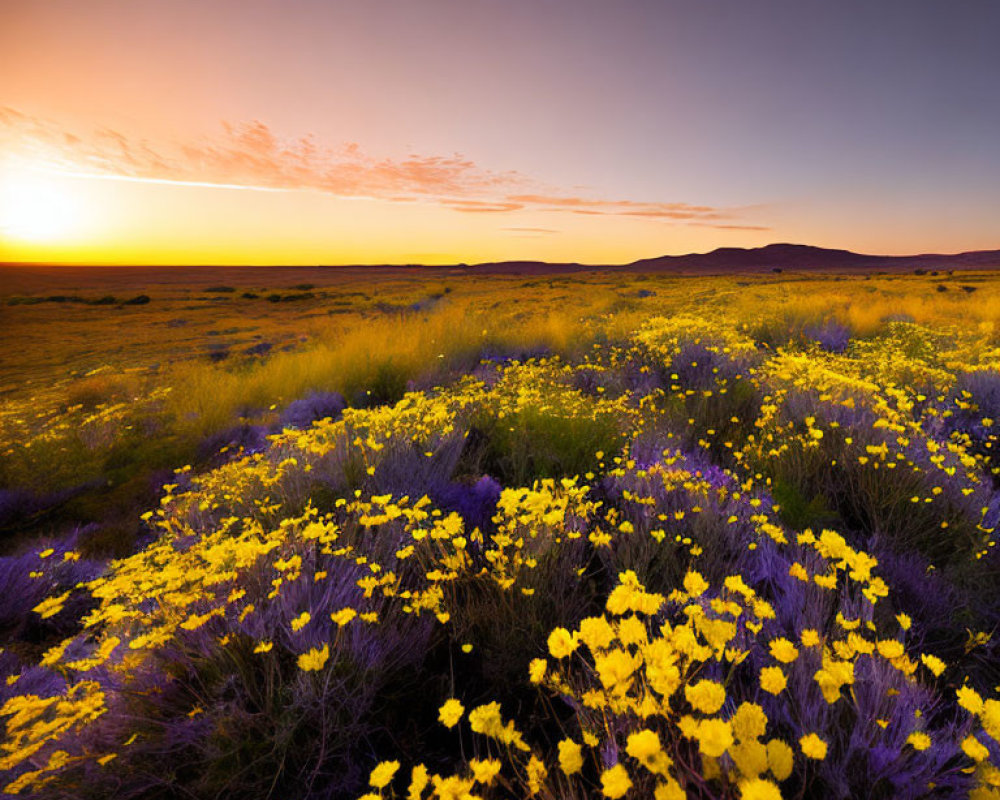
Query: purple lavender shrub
315, 406
830, 335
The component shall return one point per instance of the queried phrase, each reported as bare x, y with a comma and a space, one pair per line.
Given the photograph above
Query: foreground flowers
701, 604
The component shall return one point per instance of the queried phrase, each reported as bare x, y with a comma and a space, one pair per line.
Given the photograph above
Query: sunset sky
318, 131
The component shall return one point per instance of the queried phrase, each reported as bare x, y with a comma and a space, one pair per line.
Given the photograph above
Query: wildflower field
586, 536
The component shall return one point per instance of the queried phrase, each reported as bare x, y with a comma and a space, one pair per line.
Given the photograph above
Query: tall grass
372, 361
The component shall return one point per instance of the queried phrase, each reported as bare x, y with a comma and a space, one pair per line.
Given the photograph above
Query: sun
35, 207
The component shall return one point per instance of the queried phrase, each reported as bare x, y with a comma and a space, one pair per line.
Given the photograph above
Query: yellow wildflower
451, 712
383, 774
890, 648
51, 606
749, 722
809, 637
485, 771
813, 746
759, 789
714, 737
933, 663
596, 633
344, 616
615, 669
990, 717
561, 643
418, 782
669, 790
694, 584
570, 757
969, 699
918, 740
537, 773
615, 782
773, 680
750, 758
780, 759
783, 650
705, 696
645, 748
315, 659
974, 749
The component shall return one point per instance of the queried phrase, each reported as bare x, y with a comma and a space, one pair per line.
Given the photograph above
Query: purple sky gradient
869, 124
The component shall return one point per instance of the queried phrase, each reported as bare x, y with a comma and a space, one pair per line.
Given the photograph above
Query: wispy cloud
250, 155
630, 208
721, 227
103, 176
530, 231
482, 206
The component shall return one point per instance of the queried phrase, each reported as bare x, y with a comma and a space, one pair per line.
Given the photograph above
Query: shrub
830, 335
95, 390
303, 412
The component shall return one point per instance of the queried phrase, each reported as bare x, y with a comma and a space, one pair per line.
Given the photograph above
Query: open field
304, 533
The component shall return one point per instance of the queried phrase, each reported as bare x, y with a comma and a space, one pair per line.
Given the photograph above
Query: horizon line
470, 264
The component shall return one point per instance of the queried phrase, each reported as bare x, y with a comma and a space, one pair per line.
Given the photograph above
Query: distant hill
784, 257
804, 257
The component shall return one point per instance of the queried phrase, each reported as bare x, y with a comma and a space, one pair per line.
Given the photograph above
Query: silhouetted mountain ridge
806, 257
780, 256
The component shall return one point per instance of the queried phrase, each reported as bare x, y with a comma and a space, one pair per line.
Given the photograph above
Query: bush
303, 412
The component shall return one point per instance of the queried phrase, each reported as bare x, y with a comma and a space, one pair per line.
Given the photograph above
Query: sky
447, 131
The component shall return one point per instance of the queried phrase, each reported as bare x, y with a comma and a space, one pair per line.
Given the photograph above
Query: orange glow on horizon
55, 214
66, 216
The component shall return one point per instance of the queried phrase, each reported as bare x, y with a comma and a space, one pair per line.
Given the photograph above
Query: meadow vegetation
557, 537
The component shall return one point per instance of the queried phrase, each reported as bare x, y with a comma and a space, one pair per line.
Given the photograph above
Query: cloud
761, 228
251, 152
486, 206
253, 156
628, 208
